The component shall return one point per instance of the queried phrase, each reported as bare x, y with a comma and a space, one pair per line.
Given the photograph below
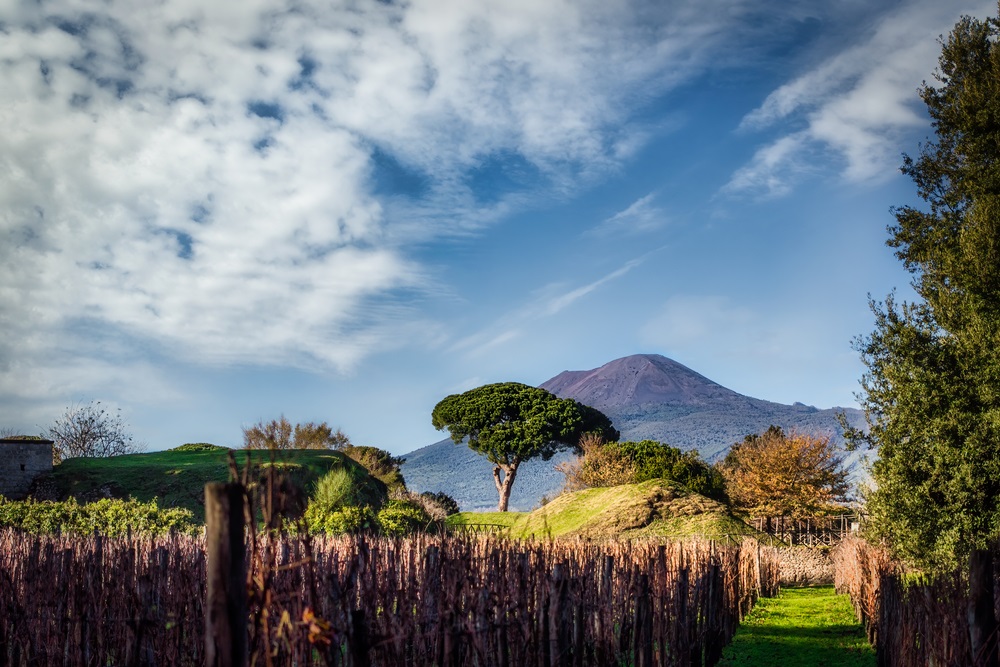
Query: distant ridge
648, 397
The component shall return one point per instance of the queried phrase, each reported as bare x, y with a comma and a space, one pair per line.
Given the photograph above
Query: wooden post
982, 619
545, 649
226, 599
561, 620
359, 639
642, 626
713, 639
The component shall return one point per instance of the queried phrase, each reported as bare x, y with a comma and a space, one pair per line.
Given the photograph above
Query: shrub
347, 519
333, 490
656, 460
334, 508
599, 465
443, 501
380, 464
199, 447
402, 517
617, 463
109, 516
437, 506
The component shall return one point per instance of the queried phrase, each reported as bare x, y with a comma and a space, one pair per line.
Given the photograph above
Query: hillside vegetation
177, 477
655, 508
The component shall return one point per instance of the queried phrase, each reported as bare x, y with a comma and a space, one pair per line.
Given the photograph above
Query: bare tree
279, 434
91, 430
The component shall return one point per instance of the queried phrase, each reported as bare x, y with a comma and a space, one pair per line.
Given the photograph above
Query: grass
802, 627
656, 508
178, 477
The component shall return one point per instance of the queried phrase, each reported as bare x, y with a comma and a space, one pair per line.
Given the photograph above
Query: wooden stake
226, 599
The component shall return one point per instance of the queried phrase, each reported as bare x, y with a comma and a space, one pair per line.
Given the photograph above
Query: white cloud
550, 300
639, 217
771, 170
198, 180
485, 341
199, 177
566, 299
857, 104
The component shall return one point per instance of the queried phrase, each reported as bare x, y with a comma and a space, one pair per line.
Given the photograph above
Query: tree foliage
380, 464
280, 434
931, 391
795, 475
510, 423
611, 464
91, 430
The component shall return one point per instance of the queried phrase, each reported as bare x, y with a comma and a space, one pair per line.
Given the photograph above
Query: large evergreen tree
510, 423
931, 392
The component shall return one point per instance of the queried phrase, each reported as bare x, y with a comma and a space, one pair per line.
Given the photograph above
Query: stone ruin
21, 461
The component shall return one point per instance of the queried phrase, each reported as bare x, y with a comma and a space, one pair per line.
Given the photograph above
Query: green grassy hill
657, 508
177, 477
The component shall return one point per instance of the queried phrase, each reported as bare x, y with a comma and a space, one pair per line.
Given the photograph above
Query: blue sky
215, 213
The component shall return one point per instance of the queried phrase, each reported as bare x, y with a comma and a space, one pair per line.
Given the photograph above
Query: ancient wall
805, 566
20, 462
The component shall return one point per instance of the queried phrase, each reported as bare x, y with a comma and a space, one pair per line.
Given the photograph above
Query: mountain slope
641, 379
647, 396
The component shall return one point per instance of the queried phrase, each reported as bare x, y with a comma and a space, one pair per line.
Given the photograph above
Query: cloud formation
201, 178
639, 217
550, 301
856, 104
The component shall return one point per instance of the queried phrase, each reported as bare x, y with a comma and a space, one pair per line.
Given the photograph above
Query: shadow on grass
799, 634
800, 628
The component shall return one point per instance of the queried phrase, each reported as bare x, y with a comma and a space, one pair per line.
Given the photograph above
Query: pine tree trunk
504, 485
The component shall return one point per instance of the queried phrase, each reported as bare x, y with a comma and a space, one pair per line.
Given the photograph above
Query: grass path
802, 627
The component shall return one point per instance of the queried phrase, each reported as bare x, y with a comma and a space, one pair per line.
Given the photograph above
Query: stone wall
20, 462
805, 566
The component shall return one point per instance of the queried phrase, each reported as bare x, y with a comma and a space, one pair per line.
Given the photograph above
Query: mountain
642, 379
648, 397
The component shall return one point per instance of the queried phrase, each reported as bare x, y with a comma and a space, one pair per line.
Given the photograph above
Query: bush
110, 516
333, 490
380, 464
402, 517
656, 460
617, 463
347, 519
599, 465
199, 447
442, 500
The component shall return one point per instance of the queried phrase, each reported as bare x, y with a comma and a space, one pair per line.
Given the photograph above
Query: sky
217, 213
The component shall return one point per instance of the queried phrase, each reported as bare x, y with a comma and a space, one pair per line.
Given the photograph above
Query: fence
809, 531
911, 620
353, 601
